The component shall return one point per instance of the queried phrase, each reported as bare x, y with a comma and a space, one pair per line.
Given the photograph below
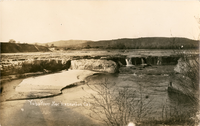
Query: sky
47, 21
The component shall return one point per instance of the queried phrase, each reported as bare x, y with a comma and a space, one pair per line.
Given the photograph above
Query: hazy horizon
49, 21
93, 40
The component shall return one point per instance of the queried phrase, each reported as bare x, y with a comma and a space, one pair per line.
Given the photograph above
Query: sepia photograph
99, 62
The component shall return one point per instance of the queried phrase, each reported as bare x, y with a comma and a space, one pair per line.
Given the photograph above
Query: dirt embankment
16, 48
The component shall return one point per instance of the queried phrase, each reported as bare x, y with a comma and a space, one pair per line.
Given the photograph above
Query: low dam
150, 60
25, 65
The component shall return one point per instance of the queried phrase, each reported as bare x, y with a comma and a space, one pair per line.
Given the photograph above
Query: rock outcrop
187, 65
34, 65
108, 66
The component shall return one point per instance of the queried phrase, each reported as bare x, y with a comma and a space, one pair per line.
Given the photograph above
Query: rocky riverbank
20, 64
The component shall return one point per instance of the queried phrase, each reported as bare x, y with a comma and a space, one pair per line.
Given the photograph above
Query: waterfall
142, 60
129, 62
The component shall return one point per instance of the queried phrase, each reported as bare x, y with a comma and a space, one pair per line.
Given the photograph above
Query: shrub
119, 106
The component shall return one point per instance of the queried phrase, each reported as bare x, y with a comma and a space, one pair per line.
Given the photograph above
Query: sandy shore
67, 109
48, 85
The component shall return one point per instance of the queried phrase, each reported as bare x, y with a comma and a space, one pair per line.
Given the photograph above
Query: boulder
187, 65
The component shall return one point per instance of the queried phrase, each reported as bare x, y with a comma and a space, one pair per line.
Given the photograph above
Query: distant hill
128, 43
145, 43
16, 48
65, 43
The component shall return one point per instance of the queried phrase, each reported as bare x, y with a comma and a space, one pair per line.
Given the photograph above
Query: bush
119, 106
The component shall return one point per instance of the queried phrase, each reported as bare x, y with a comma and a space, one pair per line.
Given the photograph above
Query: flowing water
153, 88
128, 62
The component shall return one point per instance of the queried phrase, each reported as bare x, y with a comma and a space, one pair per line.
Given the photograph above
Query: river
151, 89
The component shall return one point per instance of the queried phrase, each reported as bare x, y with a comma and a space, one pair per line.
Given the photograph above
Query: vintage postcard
98, 62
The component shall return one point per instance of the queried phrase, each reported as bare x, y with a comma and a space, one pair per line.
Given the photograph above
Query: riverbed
69, 108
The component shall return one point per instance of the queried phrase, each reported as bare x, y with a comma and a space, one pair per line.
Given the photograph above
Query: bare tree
46, 45
118, 106
188, 75
12, 41
52, 45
